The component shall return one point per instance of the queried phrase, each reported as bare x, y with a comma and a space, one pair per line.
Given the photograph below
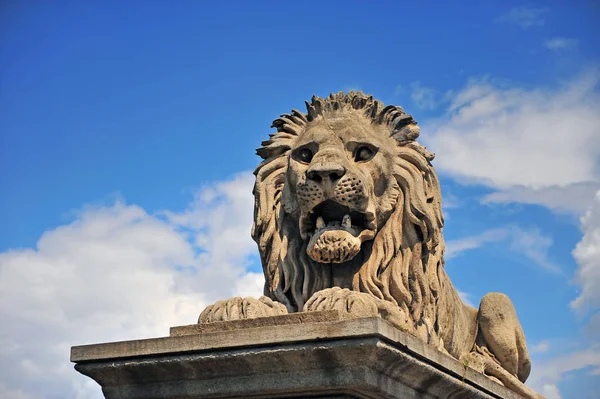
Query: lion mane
404, 264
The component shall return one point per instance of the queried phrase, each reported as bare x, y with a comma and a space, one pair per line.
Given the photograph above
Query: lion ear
272, 149
406, 133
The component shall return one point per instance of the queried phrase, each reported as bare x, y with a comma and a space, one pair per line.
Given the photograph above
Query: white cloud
524, 17
534, 246
530, 243
540, 347
466, 298
587, 255
456, 247
251, 284
536, 146
8, 393
515, 139
547, 374
117, 273
351, 87
550, 391
450, 201
221, 218
423, 97
573, 198
592, 329
560, 43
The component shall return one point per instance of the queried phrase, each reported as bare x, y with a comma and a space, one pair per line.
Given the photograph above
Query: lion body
348, 213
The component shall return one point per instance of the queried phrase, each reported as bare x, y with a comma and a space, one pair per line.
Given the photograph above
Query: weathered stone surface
292, 318
358, 358
348, 217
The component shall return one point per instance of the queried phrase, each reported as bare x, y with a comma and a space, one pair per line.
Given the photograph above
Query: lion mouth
331, 215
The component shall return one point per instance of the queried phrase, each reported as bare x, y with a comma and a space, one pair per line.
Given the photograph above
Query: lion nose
325, 171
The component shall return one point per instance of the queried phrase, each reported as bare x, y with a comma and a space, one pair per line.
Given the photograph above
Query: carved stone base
301, 355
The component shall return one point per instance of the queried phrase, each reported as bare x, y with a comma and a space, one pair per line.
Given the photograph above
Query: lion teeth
320, 222
347, 222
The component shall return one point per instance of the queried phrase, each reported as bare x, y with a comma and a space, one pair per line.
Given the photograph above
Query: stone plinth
302, 355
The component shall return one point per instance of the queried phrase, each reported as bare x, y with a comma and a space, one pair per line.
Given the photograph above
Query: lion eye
363, 153
305, 155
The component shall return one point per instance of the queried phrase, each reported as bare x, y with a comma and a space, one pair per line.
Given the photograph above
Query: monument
356, 304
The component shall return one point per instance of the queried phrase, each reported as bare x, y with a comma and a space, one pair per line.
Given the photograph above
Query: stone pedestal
302, 355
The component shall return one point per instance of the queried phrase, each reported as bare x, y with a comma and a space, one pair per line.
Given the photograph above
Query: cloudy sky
127, 137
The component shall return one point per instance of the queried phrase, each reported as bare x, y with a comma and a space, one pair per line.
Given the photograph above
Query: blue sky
127, 137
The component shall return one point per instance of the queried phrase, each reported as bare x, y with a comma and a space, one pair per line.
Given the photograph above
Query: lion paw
481, 361
241, 308
354, 304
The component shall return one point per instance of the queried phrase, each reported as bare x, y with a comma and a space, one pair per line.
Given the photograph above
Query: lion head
346, 197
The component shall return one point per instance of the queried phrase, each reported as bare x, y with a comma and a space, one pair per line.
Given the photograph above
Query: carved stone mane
348, 216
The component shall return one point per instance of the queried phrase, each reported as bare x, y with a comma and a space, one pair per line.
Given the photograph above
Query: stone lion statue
348, 216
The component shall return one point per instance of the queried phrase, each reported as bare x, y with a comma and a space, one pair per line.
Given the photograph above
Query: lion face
345, 196
340, 185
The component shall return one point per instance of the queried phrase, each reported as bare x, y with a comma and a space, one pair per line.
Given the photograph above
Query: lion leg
241, 308
501, 334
